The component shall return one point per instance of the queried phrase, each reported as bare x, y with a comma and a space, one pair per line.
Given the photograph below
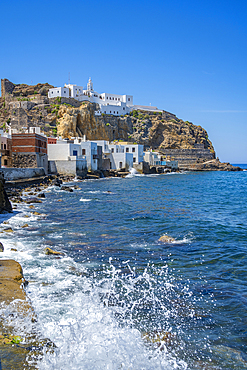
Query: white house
121, 155
89, 149
58, 92
66, 157
157, 159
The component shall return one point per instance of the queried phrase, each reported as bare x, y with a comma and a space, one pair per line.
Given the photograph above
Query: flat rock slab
10, 269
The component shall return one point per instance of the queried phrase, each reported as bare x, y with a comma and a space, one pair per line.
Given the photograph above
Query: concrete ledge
12, 174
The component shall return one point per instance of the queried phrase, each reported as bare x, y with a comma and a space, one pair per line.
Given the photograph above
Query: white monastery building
109, 103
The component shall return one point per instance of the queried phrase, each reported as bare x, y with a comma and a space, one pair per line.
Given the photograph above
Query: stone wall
24, 160
71, 101
7, 87
11, 174
188, 156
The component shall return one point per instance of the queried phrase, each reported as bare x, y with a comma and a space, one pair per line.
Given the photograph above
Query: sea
118, 297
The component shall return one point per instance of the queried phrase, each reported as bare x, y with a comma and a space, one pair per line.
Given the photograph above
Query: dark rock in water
33, 200
13, 249
1, 247
57, 182
41, 195
5, 205
67, 188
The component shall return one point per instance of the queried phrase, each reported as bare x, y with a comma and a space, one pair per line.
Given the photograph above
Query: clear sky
187, 57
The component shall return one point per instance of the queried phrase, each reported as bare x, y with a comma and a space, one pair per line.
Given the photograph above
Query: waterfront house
29, 149
65, 157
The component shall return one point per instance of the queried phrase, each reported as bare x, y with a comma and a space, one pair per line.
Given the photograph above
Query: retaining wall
11, 174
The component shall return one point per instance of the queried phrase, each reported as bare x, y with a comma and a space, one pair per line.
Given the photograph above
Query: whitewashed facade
121, 154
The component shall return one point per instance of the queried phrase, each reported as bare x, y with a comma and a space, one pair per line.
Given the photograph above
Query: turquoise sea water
119, 298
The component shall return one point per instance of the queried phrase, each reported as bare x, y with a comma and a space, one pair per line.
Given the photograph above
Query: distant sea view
121, 299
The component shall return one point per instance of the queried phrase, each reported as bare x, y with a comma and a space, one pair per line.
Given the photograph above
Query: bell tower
90, 85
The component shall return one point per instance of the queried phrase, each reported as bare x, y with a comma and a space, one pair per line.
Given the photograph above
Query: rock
166, 239
33, 200
8, 230
31, 207
6, 222
51, 251
36, 213
41, 195
25, 225
159, 337
13, 249
67, 188
5, 205
57, 182
1, 247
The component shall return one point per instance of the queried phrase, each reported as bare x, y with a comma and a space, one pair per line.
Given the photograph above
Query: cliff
23, 106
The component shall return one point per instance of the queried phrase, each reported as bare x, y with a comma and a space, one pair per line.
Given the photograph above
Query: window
112, 150
117, 112
52, 92
4, 146
83, 151
110, 111
114, 112
116, 150
75, 153
134, 159
120, 164
133, 150
127, 150
128, 99
57, 91
64, 92
107, 97
123, 108
110, 98
119, 99
5, 162
105, 111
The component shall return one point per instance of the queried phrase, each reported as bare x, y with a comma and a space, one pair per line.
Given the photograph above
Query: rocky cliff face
158, 131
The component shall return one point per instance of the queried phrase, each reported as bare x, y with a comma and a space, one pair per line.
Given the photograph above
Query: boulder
8, 230
51, 251
41, 195
1, 247
166, 239
5, 205
67, 188
33, 200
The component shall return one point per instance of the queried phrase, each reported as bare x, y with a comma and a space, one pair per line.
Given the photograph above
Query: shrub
4, 104
102, 114
146, 116
54, 130
58, 99
107, 124
8, 120
35, 92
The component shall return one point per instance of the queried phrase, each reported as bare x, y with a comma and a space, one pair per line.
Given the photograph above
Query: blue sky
186, 57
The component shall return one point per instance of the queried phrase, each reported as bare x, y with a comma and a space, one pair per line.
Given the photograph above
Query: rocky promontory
23, 106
